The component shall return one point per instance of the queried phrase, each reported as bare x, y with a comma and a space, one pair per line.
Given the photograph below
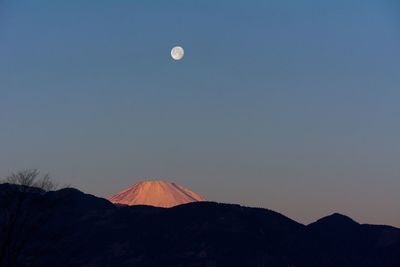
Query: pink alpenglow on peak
156, 193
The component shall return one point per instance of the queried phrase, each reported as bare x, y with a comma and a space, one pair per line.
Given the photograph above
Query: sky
287, 105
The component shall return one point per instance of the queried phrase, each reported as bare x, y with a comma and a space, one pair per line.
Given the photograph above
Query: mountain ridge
84, 230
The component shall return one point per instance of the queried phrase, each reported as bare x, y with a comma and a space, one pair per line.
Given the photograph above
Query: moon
177, 53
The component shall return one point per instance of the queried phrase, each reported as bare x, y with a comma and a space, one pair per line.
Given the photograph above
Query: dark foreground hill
69, 228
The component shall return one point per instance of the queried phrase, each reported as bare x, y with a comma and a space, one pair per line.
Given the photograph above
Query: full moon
177, 53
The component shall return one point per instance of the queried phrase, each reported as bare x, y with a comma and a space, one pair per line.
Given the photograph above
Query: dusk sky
292, 106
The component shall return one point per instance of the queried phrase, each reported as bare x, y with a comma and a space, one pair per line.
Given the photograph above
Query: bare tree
31, 178
18, 217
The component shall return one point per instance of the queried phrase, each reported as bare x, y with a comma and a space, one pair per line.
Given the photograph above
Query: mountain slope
156, 193
83, 230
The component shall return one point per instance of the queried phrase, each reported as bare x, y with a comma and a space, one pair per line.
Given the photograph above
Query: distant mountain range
68, 228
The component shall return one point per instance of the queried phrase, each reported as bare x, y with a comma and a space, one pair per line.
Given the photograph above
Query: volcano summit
156, 193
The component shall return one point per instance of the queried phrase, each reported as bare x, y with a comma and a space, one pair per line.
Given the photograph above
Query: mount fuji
156, 193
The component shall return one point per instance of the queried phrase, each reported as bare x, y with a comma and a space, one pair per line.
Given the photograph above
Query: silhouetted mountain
335, 226
83, 230
353, 244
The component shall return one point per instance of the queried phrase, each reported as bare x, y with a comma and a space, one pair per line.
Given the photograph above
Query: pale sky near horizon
286, 105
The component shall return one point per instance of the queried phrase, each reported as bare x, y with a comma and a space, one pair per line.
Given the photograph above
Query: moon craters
177, 53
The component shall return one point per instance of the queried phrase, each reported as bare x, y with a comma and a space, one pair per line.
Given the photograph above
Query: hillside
70, 228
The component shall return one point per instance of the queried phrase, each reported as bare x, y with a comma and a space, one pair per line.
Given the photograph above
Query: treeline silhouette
40, 227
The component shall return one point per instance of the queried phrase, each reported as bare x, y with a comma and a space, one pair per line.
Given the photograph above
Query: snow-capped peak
156, 193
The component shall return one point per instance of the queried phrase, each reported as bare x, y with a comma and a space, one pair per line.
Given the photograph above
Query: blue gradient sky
288, 105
